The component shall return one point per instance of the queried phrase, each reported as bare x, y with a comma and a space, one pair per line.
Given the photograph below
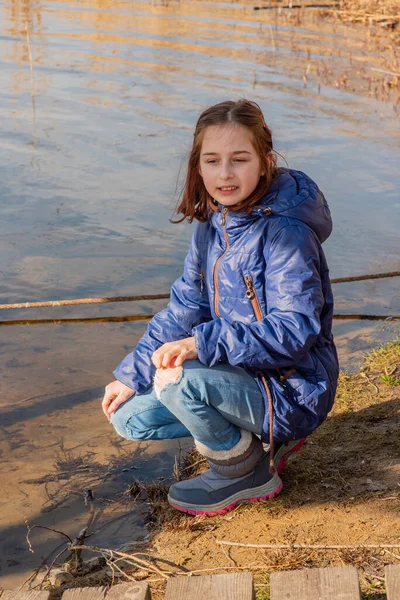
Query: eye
212, 161
240, 160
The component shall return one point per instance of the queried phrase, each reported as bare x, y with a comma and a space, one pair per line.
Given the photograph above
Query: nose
226, 171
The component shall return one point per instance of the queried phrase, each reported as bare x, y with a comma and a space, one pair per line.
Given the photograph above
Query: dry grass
384, 358
384, 12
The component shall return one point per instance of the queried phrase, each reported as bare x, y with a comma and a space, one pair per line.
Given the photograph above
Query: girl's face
229, 164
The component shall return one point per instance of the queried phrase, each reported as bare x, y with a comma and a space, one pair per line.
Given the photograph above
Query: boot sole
284, 452
263, 492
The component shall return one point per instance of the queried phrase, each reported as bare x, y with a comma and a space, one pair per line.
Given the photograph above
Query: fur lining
240, 449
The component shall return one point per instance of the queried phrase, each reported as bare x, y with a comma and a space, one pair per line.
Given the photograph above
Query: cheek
252, 176
207, 178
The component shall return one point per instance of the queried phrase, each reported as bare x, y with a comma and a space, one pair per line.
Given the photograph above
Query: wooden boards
235, 586
130, 591
392, 581
21, 595
123, 591
94, 593
336, 583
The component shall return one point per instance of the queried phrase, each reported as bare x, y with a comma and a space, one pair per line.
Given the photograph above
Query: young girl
243, 354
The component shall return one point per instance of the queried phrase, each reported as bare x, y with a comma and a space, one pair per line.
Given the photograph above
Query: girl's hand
116, 393
173, 354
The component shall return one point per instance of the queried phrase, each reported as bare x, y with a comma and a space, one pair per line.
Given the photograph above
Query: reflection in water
98, 99
16, 15
22, 20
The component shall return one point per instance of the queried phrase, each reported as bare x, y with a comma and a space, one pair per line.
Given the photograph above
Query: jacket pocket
300, 405
251, 295
202, 280
310, 389
199, 278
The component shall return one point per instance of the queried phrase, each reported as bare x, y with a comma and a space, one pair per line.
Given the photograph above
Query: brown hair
196, 202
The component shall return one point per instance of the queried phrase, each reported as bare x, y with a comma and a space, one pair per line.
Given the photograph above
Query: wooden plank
21, 595
93, 593
392, 580
235, 586
129, 591
336, 583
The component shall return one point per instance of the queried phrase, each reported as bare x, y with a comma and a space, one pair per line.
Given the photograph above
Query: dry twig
195, 571
133, 557
42, 527
309, 546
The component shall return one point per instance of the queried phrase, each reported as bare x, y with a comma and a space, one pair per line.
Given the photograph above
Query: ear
199, 171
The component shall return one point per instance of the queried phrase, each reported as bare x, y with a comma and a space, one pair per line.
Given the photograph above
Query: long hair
196, 202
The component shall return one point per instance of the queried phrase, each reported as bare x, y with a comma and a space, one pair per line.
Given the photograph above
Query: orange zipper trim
252, 296
216, 289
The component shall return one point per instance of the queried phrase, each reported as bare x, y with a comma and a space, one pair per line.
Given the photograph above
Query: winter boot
235, 475
283, 450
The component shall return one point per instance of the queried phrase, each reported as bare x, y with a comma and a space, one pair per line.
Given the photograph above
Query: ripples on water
93, 137
98, 101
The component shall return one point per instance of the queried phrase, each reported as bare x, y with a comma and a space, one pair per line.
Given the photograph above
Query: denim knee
119, 421
144, 417
187, 392
132, 421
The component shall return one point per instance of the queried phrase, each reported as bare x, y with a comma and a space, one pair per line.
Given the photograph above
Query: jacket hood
294, 195
297, 196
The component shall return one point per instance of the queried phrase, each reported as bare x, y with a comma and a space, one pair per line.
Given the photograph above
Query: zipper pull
250, 295
202, 280
223, 218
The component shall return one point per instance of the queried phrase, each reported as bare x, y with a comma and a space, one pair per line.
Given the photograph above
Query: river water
98, 99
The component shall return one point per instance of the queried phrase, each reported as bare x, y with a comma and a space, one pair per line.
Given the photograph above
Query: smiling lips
227, 189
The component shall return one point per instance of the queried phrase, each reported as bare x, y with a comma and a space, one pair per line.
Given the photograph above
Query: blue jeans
209, 403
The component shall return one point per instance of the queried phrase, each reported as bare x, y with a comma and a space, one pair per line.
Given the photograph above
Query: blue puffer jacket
255, 292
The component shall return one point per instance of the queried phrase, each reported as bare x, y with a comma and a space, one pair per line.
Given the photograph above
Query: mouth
228, 189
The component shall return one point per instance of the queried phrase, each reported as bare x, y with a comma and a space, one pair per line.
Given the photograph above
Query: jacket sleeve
294, 302
188, 306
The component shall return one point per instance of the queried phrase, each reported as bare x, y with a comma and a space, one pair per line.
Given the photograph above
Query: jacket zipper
252, 296
216, 289
201, 280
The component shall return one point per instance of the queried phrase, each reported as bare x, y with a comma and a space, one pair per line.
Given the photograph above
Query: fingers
107, 400
174, 354
157, 358
120, 399
171, 354
179, 360
115, 394
161, 357
168, 360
